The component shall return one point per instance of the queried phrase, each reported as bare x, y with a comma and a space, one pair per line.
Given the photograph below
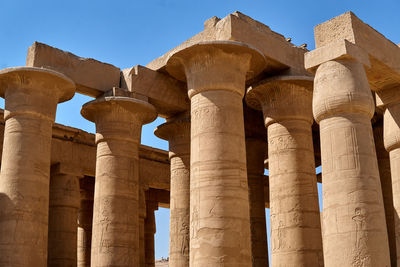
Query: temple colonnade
235, 95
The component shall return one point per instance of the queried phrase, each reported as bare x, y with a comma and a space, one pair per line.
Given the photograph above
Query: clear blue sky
128, 33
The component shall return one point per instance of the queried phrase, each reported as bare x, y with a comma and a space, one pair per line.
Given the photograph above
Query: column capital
34, 90
177, 132
341, 87
118, 117
216, 65
282, 98
174, 128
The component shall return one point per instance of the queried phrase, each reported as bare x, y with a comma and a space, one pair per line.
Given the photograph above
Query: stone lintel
158, 196
168, 95
384, 54
92, 77
65, 167
280, 54
341, 49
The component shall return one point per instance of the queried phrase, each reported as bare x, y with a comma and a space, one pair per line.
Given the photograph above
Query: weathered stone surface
31, 97
177, 131
92, 77
165, 93
85, 220
280, 54
63, 216
286, 102
115, 235
216, 73
353, 217
386, 184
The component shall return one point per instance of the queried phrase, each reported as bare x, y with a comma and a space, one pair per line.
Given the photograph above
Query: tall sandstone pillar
216, 75
353, 217
256, 148
386, 184
142, 218
63, 216
85, 219
286, 102
177, 132
149, 232
115, 232
31, 97
389, 99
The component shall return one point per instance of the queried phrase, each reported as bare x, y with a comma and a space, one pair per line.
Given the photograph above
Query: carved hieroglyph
115, 238
31, 97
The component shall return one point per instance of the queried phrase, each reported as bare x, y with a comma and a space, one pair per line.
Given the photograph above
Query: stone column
63, 216
31, 97
353, 217
286, 102
256, 145
85, 219
177, 132
149, 232
386, 184
142, 218
219, 209
389, 100
115, 236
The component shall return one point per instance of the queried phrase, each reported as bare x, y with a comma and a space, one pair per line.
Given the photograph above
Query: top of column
142, 110
216, 65
37, 80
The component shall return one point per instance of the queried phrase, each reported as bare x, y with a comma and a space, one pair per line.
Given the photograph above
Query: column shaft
391, 132
386, 184
179, 211
395, 170
177, 131
150, 230
142, 218
295, 218
85, 220
219, 209
63, 219
255, 154
355, 231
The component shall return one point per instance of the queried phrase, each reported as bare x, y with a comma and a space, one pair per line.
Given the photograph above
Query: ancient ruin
238, 98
